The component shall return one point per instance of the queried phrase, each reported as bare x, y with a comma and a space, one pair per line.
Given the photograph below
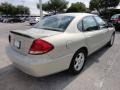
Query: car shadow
94, 58
118, 31
13, 79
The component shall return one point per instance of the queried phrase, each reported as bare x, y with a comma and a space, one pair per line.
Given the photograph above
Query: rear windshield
55, 23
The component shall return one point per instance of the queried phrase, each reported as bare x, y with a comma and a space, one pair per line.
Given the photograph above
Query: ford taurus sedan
57, 43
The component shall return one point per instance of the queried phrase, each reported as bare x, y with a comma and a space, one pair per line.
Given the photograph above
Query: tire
111, 42
78, 62
31, 24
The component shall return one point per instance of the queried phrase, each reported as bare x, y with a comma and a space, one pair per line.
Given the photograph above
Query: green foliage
95, 4
100, 5
109, 3
77, 7
110, 12
22, 10
9, 9
55, 6
6, 8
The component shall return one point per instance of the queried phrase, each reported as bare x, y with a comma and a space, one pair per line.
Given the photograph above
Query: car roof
78, 14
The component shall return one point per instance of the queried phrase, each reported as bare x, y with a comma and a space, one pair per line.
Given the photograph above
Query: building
37, 13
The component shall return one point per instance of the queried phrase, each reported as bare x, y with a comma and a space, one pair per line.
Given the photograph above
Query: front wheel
78, 62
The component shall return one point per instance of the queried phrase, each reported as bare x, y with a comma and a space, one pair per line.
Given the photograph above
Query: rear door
94, 36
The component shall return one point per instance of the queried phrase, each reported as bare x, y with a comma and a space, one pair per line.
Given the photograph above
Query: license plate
17, 44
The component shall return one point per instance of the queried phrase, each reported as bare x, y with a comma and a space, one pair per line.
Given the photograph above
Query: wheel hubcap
79, 61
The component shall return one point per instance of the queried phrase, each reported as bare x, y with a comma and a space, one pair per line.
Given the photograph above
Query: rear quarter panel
65, 44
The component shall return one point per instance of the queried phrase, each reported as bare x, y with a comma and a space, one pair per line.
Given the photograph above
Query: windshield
55, 23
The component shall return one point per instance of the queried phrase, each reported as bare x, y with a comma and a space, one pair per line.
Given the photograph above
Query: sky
32, 3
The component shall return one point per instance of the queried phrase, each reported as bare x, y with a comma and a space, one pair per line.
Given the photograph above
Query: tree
55, 6
22, 10
105, 4
77, 7
6, 8
95, 5
100, 5
9, 9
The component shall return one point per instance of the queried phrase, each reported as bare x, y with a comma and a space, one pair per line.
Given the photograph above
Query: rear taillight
40, 47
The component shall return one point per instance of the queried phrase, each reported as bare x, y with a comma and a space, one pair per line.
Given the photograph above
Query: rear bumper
38, 66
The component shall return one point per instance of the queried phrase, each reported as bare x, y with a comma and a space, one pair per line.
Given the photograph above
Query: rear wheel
78, 62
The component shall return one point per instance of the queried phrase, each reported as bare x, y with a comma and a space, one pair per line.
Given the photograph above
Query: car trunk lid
21, 41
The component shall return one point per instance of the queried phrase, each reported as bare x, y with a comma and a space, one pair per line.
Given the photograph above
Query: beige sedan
58, 43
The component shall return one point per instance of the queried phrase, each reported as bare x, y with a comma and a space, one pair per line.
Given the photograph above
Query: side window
89, 24
101, 23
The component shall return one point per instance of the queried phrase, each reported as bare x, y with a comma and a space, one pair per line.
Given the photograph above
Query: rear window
55, 23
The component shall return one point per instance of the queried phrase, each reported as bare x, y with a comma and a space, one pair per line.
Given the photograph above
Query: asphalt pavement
101, 72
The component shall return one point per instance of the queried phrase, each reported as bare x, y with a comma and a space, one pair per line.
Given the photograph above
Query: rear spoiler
21, 34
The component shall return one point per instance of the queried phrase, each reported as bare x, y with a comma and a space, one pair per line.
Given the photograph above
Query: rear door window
89, 24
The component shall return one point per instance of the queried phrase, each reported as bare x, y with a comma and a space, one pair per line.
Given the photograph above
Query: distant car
23, 18
58, 43
5, 20
1, 19
115, 19
34, 20
15, 20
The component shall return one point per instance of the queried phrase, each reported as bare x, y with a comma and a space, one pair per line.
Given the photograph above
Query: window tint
51, 22
55, 23
101, 23
90, 24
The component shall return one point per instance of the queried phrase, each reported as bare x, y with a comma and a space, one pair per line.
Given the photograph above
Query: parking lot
101, 72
